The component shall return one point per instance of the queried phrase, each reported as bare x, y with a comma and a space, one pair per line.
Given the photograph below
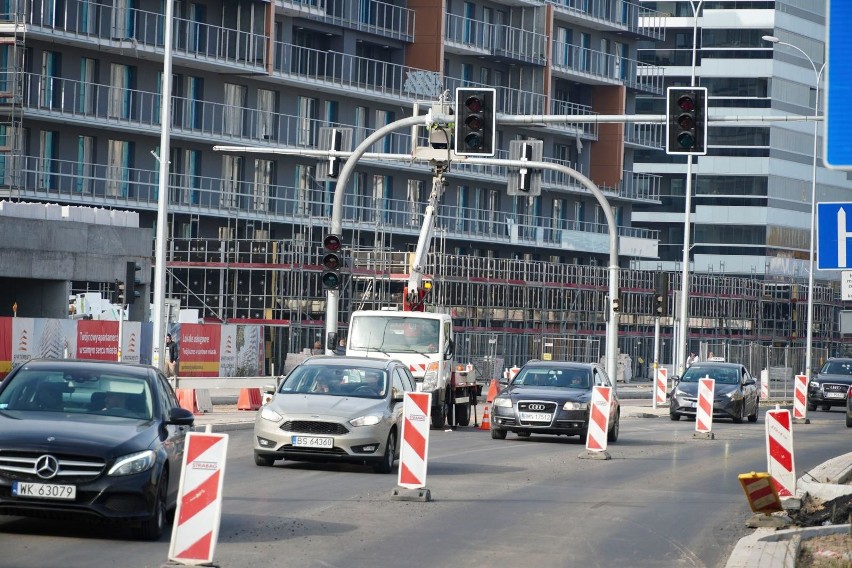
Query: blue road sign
834, 236
838, 113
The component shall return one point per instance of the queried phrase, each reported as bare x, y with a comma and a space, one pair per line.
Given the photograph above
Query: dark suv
830, 387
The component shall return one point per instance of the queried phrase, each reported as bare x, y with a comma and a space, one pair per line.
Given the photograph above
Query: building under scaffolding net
511, 309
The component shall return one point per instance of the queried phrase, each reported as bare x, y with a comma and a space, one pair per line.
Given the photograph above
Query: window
122, 19
415, 190
232, 169
235, 104
118, 168
383, 118
84, 170
192, 180
304, 177
51, 83
263, 176
361, 124
461, 206
48, 164
381, 194
307, 107
266, 109
195, 101
88, 85
120, 91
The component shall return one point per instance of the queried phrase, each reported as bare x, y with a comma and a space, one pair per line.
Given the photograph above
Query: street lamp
810, 321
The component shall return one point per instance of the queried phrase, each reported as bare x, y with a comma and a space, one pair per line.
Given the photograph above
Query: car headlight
430, 379
575, 405
679, 392
134, 463
503, 402
368, 420
268, 414
733, 395
815, 384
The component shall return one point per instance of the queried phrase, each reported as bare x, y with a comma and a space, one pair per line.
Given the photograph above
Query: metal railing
509, 100
628, 16
568, 58
500, 40
370, 16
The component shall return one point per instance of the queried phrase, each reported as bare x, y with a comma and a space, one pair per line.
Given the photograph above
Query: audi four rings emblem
536, 407
47, 467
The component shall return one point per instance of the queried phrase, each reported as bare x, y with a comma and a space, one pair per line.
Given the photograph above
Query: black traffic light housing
686, 121
476, 121
332, 262
661, 295
132, 281
119, 293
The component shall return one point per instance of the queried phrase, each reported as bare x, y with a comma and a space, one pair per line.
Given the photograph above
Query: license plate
835, 395
44, 490
535, 416
313, 442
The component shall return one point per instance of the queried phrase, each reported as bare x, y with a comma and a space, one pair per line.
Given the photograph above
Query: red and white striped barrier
800, 397
513, 372
704, 408
662, 386
764, 384
779, 451
199, 507
596, 437
414, 451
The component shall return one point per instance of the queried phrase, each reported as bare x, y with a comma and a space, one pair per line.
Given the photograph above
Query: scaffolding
12, 41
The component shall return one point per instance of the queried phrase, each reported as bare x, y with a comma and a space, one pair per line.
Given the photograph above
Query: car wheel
826, 408
738, 419
848, 421
263, 461
523, 434
153, 528
498, 434
463, 414
811, 407
386, 465
612, 435
753, 416
674, 416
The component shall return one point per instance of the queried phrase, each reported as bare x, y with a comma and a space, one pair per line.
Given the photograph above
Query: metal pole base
760, 520
402, 494
801, 420
703, 436
589, 455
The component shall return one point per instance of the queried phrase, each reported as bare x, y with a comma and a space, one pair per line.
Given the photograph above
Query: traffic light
332, 262
661, 295
616, 305
476, 121
119, 293
132, 281
686, 124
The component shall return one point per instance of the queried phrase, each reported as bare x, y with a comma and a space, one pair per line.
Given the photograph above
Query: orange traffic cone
249, 399
492, 391
486, 419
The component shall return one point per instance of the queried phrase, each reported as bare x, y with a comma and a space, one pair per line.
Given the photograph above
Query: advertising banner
199, 346
97, 339
23, 340
131, 340
5, 346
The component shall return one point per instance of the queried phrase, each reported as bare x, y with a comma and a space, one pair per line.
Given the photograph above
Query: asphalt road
664, 499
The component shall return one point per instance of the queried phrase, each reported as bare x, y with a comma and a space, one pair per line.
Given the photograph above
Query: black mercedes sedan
830, 387
735, 392
93, 440
551, 397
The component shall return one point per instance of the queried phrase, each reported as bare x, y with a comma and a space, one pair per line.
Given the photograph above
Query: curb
769, 548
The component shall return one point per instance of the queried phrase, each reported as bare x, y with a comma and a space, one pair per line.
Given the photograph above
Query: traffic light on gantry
332, 262
686, 122
476, 121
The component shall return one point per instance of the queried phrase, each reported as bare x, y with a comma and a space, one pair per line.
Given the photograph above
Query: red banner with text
199, 350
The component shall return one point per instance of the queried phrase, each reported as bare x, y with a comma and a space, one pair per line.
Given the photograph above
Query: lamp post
810, 316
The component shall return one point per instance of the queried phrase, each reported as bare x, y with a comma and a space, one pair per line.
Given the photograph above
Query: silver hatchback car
334, 409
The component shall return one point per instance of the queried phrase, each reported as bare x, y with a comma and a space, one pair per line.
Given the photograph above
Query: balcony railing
499, 40
627, 16
650, 135
370, 16
588, 129
79, 182
107, 25
509, 100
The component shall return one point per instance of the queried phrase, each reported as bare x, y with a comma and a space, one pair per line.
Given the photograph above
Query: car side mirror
269, 389
397, 395
749, 382
451, 349
332, 341
180, 417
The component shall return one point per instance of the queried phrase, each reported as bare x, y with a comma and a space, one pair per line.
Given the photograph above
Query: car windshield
554, 377
837, 368
91, 392
336, 380
722, 375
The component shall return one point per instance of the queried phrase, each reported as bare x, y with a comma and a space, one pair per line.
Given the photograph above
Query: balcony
471, 37
379, 18
138, 112
94, 26
633, 186
645, 135
598, 68
587, 130
509, 100
622, 17
110, 186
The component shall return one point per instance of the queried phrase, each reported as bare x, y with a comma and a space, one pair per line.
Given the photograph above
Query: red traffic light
686, 103
474, 103
331, 261
332, 243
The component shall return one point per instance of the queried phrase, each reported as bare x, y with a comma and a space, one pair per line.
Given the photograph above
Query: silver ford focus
335, 409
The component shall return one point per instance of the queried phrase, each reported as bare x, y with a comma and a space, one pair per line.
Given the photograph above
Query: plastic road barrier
764, 384
800, 397
414, 451
760, 492
779, 451
599, 419
199, 507
661, 388
704, 410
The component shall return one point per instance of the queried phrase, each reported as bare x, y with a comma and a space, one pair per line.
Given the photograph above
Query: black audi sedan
830, 387
93, 440
735, 392
551, 397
